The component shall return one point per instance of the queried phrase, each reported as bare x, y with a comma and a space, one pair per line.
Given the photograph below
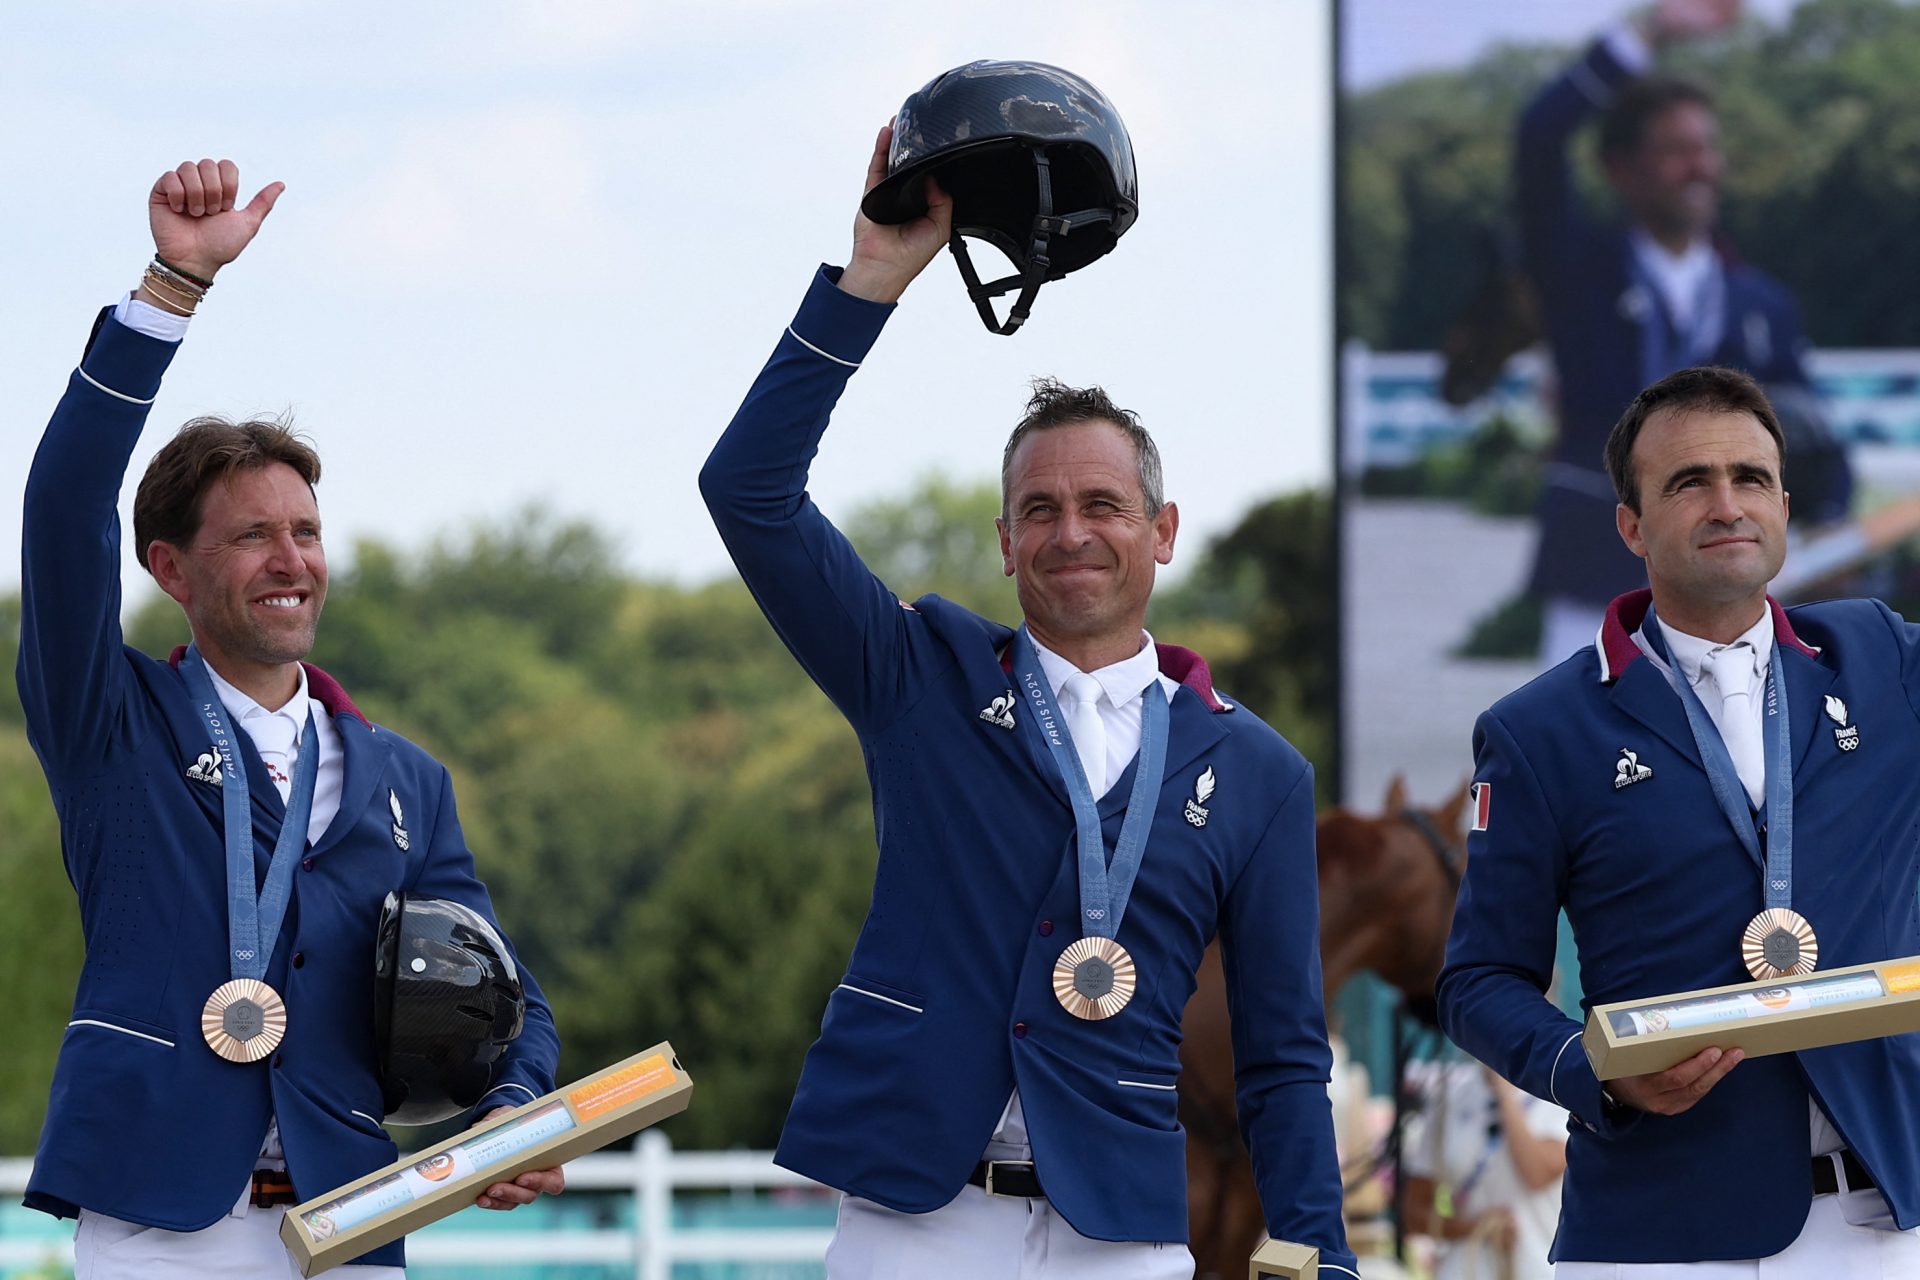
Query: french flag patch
1482, 793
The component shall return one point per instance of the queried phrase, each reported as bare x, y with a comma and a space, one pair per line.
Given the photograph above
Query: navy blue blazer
1658, 889
948, 1000
1609, 333
146, 1123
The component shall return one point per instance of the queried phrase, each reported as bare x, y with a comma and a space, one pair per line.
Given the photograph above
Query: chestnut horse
1387, 886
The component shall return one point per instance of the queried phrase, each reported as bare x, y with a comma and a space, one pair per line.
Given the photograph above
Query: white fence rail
651, 1173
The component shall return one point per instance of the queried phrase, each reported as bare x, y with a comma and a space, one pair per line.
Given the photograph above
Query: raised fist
195, 224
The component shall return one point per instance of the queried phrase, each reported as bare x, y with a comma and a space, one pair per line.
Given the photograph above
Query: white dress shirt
277, 736
1689, 655
1120, 708
1681, 279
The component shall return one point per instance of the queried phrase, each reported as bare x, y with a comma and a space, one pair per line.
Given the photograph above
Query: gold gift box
429, 1185
1832, 1006
1283, 1260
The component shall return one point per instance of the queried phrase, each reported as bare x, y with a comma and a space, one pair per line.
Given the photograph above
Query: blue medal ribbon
1104, 887
1731, 794
253, 922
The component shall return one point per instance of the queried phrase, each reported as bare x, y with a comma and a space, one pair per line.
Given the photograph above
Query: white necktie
1731, 670
1088, 731
277, 739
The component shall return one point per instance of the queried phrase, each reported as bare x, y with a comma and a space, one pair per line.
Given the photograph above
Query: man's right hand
195, 224
1669, 1092
886, 259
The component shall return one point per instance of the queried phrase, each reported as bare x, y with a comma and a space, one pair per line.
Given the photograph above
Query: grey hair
1055, 404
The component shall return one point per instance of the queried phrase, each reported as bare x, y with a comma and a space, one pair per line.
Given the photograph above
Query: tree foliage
674, 823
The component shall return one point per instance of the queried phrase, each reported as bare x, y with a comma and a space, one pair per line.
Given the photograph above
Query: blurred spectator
1483, 1165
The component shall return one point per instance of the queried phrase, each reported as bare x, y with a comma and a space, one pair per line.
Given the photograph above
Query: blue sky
536, 252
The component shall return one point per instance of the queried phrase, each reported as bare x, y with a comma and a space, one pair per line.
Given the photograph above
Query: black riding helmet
447, 1003
1038, 164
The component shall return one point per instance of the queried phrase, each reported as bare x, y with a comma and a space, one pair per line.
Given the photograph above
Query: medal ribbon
1104, 888
1777, 737
253, 923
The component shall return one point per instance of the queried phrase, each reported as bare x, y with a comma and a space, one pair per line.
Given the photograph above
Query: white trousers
242, 1246
1828, 1248
983, 1237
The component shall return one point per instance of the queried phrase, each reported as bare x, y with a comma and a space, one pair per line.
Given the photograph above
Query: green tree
40, 949
939, 538
1260, 606
675, 825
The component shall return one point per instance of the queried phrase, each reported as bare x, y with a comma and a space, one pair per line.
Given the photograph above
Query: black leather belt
1007, 1178
1826, 1182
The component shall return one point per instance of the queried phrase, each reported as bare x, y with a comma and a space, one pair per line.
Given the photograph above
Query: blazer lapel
1191, 729
1643, 693
1808, 681
367, 755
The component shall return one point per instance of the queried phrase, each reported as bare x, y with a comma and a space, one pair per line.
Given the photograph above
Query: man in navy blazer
1624, 305
178, 1161
1601, 790
979, 1128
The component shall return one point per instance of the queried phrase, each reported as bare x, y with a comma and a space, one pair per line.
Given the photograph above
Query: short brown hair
166, 508
1625, 125
1055, 404
1708, 388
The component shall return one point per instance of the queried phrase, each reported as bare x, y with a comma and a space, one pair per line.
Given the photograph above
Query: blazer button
306, 864
299, 959
1046, 928
276, 1061
1019, 1031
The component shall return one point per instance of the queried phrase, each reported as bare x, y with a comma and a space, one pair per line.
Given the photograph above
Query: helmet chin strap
1046, 225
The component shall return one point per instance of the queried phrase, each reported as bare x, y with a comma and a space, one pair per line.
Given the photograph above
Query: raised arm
70, 669
840, 621
1555, 228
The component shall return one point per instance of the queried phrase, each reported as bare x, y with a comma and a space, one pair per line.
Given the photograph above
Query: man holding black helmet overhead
1067, 812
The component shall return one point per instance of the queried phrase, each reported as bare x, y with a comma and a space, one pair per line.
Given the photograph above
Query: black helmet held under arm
447, 1003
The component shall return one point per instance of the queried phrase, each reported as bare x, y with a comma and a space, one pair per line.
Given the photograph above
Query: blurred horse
1387, 886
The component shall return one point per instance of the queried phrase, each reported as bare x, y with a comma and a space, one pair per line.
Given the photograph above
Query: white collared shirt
1121, 684
1679, 278
1689, 655
330, 775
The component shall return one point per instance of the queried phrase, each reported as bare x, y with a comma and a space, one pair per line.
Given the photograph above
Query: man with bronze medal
232, 824
1066, 811
1719, 790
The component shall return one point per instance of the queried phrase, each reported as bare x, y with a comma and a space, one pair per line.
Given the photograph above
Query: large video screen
1541, 209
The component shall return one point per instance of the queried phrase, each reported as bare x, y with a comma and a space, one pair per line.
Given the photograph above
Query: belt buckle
1026, 1165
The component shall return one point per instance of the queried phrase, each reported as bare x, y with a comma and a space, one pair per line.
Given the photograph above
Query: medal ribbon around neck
1094, 977
245, 1019
1778, 933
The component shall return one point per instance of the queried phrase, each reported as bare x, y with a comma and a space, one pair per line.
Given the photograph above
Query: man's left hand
524, 1189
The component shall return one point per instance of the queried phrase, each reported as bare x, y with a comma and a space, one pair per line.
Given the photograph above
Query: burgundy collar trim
321, 687
1182, 666
1615, 643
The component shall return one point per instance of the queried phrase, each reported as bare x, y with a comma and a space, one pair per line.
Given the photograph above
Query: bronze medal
1779, 943
1094, 978
244, 1020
